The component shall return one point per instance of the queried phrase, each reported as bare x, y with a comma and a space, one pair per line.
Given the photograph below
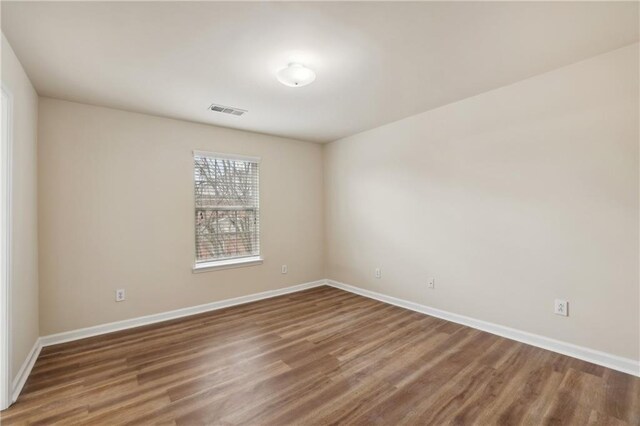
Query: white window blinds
227, 207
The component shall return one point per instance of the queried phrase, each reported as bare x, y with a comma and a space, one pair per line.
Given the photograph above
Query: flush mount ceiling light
296, 75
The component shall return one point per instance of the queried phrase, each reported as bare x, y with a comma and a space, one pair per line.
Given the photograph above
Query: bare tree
226, 193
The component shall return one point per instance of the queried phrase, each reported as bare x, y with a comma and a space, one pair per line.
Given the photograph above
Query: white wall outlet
120, 295
561, 307
378, 273
284, 269
432, 283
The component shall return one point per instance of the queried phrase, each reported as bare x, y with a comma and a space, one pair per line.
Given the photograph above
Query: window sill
227, 264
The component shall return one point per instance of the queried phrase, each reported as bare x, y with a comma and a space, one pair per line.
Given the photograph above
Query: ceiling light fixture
296, 75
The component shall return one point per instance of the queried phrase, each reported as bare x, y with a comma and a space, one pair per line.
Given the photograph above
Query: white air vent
227, 109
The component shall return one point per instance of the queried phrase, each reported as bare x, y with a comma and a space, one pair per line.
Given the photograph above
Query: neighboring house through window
227, 210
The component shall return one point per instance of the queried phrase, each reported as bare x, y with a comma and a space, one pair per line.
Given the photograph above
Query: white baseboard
604, 359
590, 355
54, 339
68, 336
25, 370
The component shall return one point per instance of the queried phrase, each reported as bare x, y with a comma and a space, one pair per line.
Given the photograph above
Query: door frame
6, 161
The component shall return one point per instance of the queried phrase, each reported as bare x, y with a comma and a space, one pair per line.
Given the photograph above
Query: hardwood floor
322, 356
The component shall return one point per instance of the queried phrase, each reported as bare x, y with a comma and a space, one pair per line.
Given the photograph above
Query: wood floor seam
317, 357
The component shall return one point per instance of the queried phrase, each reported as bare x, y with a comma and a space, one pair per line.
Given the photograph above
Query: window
227, 214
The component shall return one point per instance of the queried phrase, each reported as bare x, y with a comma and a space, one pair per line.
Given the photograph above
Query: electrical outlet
561, 307
284, 269
432, 283
120, 295
378, 273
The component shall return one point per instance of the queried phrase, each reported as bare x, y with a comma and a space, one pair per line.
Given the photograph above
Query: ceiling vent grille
227, 109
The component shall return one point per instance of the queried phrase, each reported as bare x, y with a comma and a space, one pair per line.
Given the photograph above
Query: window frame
227, 263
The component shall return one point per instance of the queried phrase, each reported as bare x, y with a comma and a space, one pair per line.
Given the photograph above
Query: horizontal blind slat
226, 208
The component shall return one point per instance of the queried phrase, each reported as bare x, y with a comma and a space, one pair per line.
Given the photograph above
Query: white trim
590, 355
5, 279
604, 359
229, 263
221, 155
68, 336
238, 262
25, 370
54, 339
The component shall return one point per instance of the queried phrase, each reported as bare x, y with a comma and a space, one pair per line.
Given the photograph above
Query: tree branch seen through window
227, 214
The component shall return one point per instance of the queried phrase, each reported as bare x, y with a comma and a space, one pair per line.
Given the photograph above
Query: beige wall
24, 283
510, 199
116, 211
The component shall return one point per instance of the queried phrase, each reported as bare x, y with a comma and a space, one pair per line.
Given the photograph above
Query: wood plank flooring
322, 356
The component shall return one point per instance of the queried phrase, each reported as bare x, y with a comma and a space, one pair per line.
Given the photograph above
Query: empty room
313, 213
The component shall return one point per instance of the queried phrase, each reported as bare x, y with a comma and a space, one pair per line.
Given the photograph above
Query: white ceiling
376, 62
